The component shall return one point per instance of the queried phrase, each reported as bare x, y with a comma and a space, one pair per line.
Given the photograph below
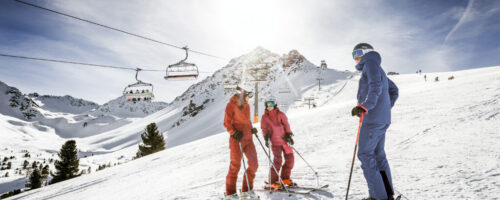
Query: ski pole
270, 163
244, 165
269, 157
354, 155
401, 194
270, 171
268, 150
315, 172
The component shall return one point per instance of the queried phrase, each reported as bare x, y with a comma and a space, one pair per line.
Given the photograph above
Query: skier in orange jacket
238, 125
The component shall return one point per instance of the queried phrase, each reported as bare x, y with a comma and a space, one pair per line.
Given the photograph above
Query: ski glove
266, 138
254, 131
288, 138
358, 110
237, 135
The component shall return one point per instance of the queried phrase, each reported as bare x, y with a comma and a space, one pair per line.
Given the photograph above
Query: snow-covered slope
442, 145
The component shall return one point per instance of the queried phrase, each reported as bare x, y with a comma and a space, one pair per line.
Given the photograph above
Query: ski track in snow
442, 144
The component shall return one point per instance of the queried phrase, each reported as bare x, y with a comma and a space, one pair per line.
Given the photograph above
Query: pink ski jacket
275, 123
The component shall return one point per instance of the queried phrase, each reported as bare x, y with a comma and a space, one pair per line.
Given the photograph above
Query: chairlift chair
139, 91
182, 70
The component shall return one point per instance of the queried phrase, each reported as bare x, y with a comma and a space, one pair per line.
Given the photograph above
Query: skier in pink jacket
275, 127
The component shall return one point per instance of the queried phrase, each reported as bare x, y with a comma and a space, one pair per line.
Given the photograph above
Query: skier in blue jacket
376, 96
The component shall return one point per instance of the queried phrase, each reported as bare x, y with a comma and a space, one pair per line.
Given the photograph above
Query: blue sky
429, 35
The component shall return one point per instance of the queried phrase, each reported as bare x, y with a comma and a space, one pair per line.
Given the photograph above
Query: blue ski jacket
376, 92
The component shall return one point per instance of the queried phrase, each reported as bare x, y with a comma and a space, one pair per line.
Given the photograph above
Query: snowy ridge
16, 104
122, 108
63, 104
72, 117
448, 129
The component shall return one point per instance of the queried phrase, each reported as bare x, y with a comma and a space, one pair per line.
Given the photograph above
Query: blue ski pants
373, 160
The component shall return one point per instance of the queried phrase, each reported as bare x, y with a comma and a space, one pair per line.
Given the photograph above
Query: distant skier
275, 127
425, 77
376, 96
238, 125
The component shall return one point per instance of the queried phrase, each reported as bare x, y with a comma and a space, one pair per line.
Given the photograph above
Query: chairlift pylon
182, 70
323, 64
139, 91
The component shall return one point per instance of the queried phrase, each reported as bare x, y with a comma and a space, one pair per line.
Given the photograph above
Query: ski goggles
270, 103
249, 94
360, 52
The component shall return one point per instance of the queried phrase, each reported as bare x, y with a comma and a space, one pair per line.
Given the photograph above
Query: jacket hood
372, 56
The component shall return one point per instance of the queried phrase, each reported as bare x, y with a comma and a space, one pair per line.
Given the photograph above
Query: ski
308, 188
284, 191
293, 190
303, 187
239, 198
242, 198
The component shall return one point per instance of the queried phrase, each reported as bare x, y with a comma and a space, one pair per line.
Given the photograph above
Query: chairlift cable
69, 62
116, 29
86, 64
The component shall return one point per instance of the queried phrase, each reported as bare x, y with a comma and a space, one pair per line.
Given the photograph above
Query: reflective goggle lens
357, 53
270, 103
250, 94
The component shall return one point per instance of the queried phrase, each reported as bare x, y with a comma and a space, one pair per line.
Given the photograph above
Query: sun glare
251, 23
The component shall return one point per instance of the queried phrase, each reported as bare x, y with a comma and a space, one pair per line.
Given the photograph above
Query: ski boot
289, 183
250, 195
274, 186
232, 197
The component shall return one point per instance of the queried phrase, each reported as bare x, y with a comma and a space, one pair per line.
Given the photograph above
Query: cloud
462, 20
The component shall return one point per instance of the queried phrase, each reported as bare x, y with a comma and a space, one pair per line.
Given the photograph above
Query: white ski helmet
247, 87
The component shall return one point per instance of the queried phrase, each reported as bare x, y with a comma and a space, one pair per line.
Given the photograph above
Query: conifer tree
25, 164
152, 139
45, 172
67, 166
35, 179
